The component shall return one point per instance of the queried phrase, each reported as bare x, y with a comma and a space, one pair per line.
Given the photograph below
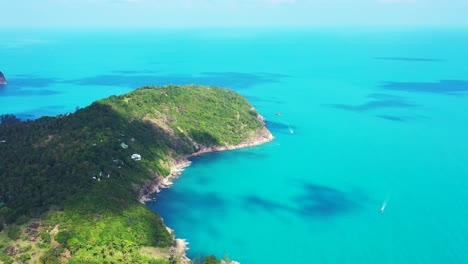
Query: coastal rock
3, 80
179, 249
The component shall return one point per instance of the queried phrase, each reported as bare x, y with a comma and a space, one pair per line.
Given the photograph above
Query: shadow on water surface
207, 210
254, 203
392, 118
322, 201
447, 87
235, 80
377, 102
316, 201
27, 85
31, 81
134, 71
409, 59
278, 127
374, 105
181, 207
383, 96
41, 111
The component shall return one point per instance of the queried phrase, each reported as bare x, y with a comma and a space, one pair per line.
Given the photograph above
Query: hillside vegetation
68, 184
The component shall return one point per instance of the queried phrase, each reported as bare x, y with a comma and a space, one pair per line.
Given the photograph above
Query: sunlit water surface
366, 117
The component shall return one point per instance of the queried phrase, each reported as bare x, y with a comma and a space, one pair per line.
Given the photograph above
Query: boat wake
384, 205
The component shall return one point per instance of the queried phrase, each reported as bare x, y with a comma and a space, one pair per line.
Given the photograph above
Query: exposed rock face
13, 250
3, 80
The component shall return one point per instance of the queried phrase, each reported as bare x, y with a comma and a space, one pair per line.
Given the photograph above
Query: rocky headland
3, 80
78, 174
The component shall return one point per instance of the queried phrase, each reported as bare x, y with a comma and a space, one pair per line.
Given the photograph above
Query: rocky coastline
167, 125
178, 165
3, 80
262, 136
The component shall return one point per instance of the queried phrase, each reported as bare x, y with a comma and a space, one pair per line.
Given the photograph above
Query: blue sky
227, 13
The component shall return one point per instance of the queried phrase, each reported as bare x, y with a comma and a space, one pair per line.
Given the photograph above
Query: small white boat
382, 209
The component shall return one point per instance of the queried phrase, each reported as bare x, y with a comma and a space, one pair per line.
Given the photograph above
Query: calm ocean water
376, 116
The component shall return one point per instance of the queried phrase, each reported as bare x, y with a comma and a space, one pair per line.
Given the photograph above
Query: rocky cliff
3, 80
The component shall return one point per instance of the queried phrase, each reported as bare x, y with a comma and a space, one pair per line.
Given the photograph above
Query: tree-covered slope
75, 173
209, 116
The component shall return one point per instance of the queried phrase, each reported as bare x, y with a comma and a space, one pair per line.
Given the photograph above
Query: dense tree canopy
75, 172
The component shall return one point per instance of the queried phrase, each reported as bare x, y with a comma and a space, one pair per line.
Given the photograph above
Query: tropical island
72, 186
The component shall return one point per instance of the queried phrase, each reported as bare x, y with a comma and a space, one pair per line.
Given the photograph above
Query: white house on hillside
136, 156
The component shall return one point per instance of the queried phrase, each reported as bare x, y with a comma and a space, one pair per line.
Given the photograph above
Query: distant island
71, 186
3, 80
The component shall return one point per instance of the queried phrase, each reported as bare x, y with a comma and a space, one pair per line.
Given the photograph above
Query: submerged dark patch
392, 118
323, 201
236, 80
279, 127
409, 59
448, 87
28, 85
317, 201
373, 105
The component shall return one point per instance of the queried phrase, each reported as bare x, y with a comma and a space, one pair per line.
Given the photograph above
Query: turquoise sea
367, 116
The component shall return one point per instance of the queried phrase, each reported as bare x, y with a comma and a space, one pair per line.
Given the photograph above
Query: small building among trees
136, 157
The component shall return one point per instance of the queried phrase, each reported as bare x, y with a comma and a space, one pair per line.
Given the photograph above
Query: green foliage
5, 258
210, 116
24, 258
43, 245
8, 119
158, 261
7, 215
27, 248
73, 171
211, 260
62, 237
22, 220
50, 257
45, 237
14, 232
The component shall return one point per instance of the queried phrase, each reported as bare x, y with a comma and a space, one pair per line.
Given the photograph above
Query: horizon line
406, 27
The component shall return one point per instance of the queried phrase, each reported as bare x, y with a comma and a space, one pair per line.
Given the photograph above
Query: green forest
69, 186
